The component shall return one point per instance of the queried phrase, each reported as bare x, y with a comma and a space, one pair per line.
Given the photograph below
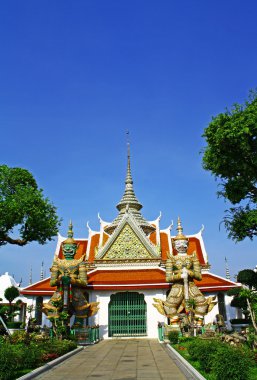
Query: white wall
231, 311
153, 316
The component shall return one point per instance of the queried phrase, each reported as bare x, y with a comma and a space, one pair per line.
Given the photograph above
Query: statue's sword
66, 292
186, 290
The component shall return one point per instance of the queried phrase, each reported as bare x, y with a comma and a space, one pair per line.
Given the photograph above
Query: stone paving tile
118, 360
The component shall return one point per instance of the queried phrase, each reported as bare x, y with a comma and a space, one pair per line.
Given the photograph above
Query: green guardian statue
69, 275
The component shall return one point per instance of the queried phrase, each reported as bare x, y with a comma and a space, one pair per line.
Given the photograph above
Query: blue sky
74, 76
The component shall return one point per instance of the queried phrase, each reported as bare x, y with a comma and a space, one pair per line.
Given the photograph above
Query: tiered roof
130, 252
129, 202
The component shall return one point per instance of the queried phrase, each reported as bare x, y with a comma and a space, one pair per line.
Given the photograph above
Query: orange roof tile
164, 245
133, 276
94, 242
153, 237
39, 288
132, 279
195, 246
211, 282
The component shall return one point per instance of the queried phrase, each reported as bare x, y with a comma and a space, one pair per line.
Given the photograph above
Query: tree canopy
11, 293
24, 211
245, 297
231, 156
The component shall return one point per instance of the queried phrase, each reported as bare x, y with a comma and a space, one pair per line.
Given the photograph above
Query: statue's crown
70, 239
180, 235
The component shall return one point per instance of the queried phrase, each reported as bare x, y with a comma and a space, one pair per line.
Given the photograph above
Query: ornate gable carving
126, 246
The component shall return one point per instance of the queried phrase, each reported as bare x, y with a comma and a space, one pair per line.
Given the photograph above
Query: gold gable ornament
126, 246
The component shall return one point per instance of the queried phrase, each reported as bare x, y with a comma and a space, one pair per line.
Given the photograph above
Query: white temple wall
153, 316
31, 301
230, 311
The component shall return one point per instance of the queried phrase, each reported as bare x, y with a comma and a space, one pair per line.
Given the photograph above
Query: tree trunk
251, 314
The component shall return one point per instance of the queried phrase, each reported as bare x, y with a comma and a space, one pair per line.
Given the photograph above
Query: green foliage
173, 336
4, 309
11, 293
239, 302
203, 351
232, 363
246, 296
20, 336
231, 156
18, 354
248, 277
9, 312
10, 359
23, 208
183, 339
62, 346
31, 355
60, 323
219, 360
14, 325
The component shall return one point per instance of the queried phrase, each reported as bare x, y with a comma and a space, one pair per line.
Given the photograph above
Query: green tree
23, 209
246, 296
10, 294
231, 156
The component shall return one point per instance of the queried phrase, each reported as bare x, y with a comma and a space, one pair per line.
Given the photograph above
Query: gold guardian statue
181, 270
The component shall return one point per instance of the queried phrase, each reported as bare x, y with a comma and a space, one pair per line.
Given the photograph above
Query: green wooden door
127, 314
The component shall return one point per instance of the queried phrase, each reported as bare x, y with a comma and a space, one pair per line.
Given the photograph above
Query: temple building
126, 269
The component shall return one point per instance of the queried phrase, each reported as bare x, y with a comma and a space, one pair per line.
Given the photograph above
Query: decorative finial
70, 231
42, 271
227, 269
128, 142
179, 228
30, 276
70, 239
129, 200
180, 235
128, 180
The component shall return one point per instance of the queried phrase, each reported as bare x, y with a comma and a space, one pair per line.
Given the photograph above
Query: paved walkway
119, 359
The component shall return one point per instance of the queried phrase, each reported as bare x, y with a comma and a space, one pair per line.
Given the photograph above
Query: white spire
227, 269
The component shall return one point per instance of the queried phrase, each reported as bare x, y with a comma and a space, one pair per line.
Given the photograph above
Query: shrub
23, 352
19, 336
204, 351
173, 336
61, 347
32, 355
183, 339
232, 363
10, 360
13, 325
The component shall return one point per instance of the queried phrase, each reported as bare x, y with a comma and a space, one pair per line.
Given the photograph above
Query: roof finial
128, 143
70, 239
42, 271
129, 175
129, 200
180, 235
70, 231
30, 276
227, 269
